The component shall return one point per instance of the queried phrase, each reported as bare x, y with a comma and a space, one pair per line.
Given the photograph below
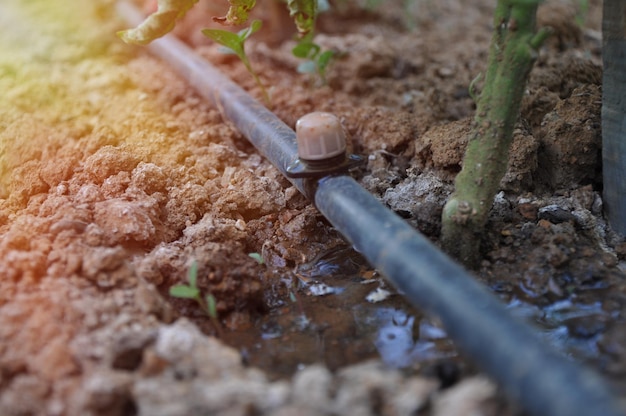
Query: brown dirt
116, 177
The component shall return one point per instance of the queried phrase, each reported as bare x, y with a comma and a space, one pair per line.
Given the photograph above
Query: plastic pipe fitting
321, 143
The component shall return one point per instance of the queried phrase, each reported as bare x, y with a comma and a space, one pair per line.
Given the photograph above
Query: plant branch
512, 53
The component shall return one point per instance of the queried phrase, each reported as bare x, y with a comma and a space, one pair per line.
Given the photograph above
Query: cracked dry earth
115, 177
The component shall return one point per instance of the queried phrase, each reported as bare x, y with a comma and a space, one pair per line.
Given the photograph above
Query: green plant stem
264, 93
512, 53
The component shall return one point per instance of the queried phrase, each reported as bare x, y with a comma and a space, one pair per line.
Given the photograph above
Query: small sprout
316, 61
184, 292
211, 304
236, 43
192, 274
191, 291
303, 12
257, 257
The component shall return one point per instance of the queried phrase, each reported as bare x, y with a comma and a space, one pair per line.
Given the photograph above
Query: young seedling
161, 22
236, 43
258, 257
512, 53
191, 291
316, 60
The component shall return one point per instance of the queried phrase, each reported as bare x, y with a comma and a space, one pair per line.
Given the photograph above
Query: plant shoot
191, 291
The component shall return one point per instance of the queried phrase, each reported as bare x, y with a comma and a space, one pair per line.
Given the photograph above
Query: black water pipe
538, 378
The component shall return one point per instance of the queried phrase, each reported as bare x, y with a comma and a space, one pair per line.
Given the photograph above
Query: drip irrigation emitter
532, 373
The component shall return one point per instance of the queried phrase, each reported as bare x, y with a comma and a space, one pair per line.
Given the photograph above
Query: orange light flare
83, 118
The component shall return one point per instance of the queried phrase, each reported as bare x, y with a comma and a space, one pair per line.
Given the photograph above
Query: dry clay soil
116, 177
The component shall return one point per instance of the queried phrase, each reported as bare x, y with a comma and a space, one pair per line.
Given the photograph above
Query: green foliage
236, 43
192, 274
191, 291
158, 23
316, 60
303, 12
257, 257
185, 292
211, 305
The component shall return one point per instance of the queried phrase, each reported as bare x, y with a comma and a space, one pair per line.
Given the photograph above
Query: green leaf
211, 305
237, 12
257, 257
305, 49
228, 39
158, 23
235, 42
192, 274
250, 30
323, 60
184, 291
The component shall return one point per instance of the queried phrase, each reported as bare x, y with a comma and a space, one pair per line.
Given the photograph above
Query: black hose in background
537, 377
614, 113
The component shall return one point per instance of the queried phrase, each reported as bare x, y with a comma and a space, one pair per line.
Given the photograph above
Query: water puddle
339, 312
572, 328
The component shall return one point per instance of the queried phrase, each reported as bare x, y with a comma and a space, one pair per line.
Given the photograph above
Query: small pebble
555, 214
378, 295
